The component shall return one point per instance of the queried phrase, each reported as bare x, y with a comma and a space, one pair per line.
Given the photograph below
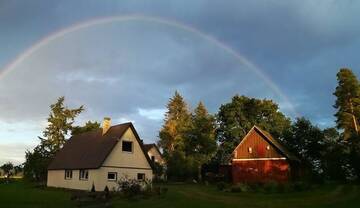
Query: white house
100, 158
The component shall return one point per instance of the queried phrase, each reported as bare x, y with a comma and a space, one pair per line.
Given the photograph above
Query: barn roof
89, 150
277, 144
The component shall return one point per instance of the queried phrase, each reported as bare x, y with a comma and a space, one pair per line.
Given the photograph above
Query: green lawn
20, 194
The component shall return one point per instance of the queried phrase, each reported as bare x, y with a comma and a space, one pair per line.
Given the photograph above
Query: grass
21, 194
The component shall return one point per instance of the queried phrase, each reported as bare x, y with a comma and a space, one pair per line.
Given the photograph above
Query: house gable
154, 152
121, 159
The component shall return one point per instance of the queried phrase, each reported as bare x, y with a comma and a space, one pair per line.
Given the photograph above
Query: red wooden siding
262, 164
260, 171
259, 145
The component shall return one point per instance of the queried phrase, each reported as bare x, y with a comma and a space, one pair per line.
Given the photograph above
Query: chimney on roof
106, 125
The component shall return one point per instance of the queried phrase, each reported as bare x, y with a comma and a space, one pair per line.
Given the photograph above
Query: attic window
127, 146
153, 158
268, 147
250, 150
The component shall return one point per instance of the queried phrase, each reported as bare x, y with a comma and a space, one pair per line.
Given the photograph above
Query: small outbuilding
260, 158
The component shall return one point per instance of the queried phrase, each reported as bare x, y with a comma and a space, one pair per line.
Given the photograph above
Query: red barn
261, 158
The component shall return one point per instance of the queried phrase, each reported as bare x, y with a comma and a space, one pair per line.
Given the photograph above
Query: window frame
115, 173
86, 176
66, 175
141, 174
132, 146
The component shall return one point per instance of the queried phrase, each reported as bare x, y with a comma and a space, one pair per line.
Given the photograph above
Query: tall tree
236, 118
347, 102
176, 122
89, 126
308, 141
60, 124
200, 143
60, 121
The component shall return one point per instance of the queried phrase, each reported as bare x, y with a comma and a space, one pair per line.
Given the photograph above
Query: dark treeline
192, 139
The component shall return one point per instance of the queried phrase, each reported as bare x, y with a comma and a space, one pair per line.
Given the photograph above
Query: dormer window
250, 150
127, 146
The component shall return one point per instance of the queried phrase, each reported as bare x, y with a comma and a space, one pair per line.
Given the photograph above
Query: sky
125, 59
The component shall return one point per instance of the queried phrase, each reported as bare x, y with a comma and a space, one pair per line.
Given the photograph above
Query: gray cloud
129, 70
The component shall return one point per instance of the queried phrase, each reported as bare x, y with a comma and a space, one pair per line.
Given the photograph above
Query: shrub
271, 186
300, 186
221, 186
241, 187
131, 187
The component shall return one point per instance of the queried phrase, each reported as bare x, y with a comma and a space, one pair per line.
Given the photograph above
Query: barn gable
260, 158
259, 144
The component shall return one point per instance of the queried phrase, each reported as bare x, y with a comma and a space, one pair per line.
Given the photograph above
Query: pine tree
200, 138
60, 121
177, 120
347, 102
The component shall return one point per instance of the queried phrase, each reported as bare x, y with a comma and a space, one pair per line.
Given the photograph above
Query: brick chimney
106, 125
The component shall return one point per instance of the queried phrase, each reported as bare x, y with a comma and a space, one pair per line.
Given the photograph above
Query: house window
68, 174
141, 176
250, 150
268, 147
84, 175
153, 158
127, 146
112, 176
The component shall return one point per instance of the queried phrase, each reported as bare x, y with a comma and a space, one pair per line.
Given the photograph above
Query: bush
271, 186
241, 187
131, 187
300, 186
221, 186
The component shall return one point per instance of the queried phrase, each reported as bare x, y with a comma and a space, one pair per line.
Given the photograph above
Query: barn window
68, 174
112, 176
268, 147
250, 150
127, 146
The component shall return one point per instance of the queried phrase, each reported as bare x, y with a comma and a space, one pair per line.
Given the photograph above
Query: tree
89, 126
60, 122
236, 118
308, 142
36, 163
347, 102
177, 120
200, 143
8, 168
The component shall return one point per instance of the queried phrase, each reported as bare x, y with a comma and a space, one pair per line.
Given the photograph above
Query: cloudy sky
124, 59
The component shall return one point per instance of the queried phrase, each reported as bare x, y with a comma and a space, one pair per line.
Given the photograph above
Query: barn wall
259, 148
260, 171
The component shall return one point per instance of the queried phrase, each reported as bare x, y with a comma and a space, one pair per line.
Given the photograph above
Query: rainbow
171, 23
